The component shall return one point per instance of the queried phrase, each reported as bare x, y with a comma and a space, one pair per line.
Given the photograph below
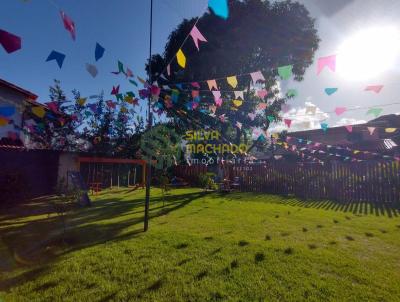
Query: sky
122, 28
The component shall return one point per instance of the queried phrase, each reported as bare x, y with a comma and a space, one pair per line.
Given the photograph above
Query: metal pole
149, 124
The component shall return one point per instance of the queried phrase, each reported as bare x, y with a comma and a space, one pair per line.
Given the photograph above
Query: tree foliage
258, 35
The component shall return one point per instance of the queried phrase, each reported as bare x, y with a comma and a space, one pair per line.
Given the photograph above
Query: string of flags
309, 144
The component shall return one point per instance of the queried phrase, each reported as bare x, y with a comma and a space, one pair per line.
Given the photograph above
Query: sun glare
368, 53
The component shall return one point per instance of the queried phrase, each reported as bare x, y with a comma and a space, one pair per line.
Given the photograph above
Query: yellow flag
181, 58
39, 111
232, 81
3, 121
81, 101
390, 130
237, 103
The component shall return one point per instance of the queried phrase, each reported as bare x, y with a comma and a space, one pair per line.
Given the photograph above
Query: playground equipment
101, 172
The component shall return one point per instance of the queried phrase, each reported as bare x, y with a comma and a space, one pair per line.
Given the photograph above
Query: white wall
9, 97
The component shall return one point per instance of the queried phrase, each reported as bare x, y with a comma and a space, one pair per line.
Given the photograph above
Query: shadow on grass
355, 207
35, 240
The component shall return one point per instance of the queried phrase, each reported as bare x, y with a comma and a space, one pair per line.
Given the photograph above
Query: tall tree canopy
257, 36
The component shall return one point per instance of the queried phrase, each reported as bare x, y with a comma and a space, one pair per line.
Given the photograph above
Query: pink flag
212, 84
197, 36
216, 94
169, 69
374, 88
257, 76
115, 90
261, 106
285, 108
252, 116
195, 105
68, 24
340, 110
222, 118
195, 93
371, 130
329, 61
196, 85
53, 106
349, 128
111, 104
129, 73
287, 122
218, 102
262, 93
155, 90
9, 41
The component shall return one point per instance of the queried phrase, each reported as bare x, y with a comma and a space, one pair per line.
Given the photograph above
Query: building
376, 139
13, 101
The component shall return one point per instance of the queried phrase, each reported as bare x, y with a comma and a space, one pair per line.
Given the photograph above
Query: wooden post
134, 176
118, 175
112, 174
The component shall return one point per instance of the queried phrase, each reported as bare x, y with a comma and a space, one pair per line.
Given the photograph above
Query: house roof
385, 121
31, 96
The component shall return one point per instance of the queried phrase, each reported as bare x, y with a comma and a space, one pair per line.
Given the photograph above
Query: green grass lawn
212, 247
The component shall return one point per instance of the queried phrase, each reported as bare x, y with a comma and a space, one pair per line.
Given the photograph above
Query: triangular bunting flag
9, 41
262, 93
92, 69
98, 52
219, 7
292, 92
285, 72
237, 103
349, 128
340, 110
232, 81
262, 106
7, 111
287, 122
197, 36
374, 88
375, 111
257, 76
212, 84
181, 58
68, 24
39, 111
115, 90
330, 91
57, 56
329, 61
238, 94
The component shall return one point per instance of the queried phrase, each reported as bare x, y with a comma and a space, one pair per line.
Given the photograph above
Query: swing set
101, 172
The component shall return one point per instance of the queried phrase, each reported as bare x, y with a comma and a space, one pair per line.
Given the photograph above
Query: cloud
349, 121
304, 118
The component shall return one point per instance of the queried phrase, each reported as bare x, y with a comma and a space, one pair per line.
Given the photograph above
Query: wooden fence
343, 182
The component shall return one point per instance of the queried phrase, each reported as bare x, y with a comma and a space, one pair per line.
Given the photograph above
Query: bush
206, 181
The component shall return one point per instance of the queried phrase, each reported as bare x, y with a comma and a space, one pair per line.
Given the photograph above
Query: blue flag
99, 52
58, 56
219, 7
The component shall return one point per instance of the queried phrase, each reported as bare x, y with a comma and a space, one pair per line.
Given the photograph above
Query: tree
57, 129
258, 35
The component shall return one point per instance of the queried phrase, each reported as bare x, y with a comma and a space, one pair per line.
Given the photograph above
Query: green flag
285, 72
